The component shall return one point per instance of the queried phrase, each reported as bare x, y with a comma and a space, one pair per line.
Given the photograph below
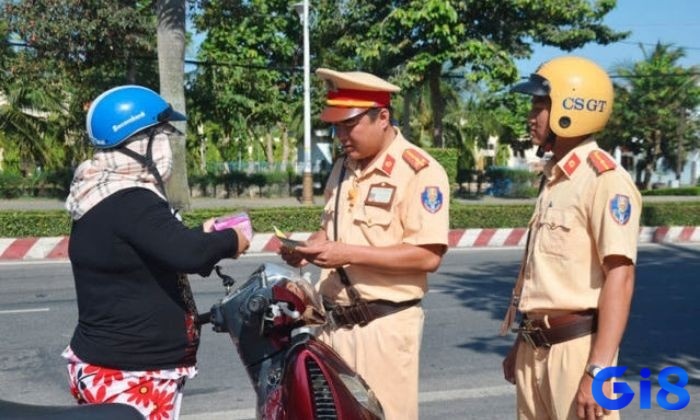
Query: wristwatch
592, 370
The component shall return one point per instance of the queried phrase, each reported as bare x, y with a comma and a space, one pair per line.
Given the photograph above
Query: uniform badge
620, 208
571, 164
431, 198
388, 164
380, 195
414, 159
601, 162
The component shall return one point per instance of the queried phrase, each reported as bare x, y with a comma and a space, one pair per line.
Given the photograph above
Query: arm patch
601, 162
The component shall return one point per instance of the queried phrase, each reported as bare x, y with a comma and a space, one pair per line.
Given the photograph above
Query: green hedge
17, 224
464, 216
673, 191
288, 219
671, 214
448, 159
14, 224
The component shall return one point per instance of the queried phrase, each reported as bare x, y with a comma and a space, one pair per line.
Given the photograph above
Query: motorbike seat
114, 411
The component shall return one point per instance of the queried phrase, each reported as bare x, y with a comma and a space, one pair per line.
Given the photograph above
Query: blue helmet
123, 111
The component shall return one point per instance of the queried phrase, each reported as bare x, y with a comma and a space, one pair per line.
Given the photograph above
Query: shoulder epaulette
415, 159
601, 161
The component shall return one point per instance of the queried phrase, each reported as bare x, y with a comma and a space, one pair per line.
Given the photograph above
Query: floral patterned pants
157, 394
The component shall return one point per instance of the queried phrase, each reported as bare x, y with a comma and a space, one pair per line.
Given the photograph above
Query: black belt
364, 312
559, 329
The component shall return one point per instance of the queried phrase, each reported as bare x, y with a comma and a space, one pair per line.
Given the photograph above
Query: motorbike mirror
226, 280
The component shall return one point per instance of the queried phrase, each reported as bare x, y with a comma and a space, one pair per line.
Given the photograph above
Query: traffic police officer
384, 227
577, 276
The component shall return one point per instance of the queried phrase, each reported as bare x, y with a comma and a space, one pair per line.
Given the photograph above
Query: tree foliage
73, 50
417, 41
249, 84
452, 59
655, 112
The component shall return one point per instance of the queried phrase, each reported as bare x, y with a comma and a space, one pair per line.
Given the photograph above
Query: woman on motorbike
137, 333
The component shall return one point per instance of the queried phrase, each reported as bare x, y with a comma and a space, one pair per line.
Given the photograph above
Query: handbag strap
353, 294
518, 288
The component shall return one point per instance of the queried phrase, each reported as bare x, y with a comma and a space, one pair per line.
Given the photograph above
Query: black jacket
134, 311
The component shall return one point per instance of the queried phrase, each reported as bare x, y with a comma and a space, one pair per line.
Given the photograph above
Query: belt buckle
361, 314
527, 331
341, 317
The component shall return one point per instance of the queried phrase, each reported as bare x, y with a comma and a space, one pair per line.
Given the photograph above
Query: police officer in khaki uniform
384, 228
577, 276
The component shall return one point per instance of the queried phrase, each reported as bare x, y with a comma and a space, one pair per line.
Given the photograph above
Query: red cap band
354, 97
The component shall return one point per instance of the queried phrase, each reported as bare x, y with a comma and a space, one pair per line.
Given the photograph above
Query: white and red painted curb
56, 248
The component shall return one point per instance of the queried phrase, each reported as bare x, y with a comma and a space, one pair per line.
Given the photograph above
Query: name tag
380, 195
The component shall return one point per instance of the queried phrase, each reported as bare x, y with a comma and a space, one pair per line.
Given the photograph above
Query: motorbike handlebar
203, 318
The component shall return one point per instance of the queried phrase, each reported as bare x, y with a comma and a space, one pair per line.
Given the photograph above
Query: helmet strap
547, 146
147, 160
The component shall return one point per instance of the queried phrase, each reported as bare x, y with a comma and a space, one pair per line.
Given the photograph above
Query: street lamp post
302, 10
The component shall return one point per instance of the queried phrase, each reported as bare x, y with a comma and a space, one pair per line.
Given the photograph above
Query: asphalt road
460, 371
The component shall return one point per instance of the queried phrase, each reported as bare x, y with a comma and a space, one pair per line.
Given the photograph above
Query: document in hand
286, 242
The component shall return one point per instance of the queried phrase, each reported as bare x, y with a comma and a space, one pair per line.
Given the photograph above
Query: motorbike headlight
362, 394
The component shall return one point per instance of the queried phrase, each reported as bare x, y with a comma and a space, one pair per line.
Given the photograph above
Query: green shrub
308, 219
17, 224
671, 214
467, 216
40, 184
289, 219
11, 185
673, 191
448, 159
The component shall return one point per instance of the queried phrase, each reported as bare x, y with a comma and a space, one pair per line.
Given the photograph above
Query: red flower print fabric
157, 394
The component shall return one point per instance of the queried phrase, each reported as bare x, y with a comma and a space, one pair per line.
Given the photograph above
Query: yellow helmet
581, 93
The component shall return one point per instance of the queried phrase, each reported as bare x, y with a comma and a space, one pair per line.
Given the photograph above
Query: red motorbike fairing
271, 319
313, 386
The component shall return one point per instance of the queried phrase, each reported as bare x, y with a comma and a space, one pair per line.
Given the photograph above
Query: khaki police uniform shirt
582, 215
402, 197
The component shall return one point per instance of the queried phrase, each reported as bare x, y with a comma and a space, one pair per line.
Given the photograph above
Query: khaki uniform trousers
547, 380
385, 353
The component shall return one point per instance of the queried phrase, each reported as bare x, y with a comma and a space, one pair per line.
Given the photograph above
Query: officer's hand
326, 254
586, 407
292, 257
509, 363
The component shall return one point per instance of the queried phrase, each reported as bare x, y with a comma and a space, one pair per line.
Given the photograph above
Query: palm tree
31, 119
171, 68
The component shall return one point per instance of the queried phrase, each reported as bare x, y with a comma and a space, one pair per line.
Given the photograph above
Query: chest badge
620, 208
380, 195
432, 199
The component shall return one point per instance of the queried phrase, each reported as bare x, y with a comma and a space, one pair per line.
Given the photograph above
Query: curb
56, 248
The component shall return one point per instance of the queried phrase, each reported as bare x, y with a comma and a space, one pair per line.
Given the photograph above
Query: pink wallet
239, 221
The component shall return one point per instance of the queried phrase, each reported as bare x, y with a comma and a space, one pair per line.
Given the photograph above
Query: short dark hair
373, 113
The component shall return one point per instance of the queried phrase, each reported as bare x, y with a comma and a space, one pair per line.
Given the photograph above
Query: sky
674, 22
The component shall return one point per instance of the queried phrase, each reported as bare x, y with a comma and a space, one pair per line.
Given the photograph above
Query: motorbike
272, 320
